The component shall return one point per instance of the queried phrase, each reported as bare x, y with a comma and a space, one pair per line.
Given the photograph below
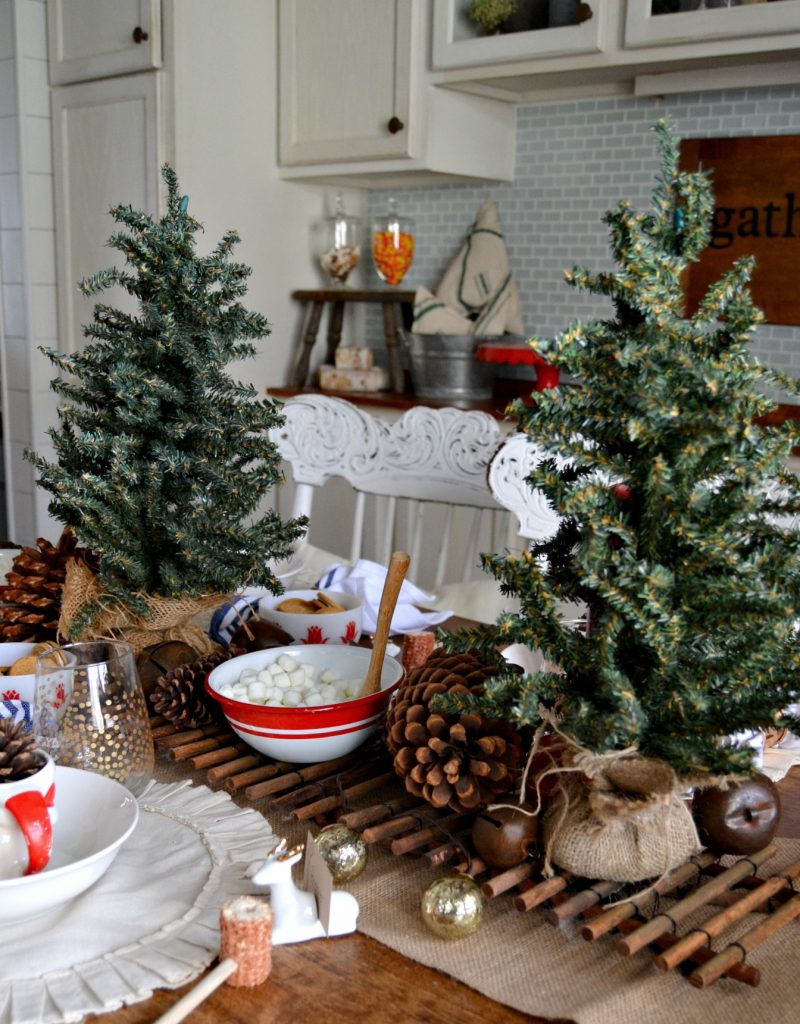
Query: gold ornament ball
344, 851
452, 906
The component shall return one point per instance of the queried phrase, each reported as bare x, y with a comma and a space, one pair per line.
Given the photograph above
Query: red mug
27, 815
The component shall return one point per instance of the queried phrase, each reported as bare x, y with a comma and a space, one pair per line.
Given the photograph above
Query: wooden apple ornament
502, 836
740, 819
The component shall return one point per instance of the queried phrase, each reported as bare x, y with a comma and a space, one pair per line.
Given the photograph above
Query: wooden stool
392, 301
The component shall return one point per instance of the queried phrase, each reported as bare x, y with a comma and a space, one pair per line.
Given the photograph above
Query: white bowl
329, 628
95, 817
307, 734
16, 687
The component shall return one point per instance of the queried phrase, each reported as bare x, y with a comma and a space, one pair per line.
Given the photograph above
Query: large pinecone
179, 694
32, 597
19, 757
457, 761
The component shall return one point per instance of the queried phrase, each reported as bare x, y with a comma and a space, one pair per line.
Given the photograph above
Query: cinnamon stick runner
190, 735
405, 844
507, 880
239, 764
717, 924
665, 922
216, 757
611, 918
744, 973
378, 812
471, 866
187, 750
581, 901
737, 951
397, 826
330, 803
543, 891
259, 774
295, 778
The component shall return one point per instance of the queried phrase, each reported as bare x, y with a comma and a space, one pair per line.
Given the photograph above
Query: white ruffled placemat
152, 921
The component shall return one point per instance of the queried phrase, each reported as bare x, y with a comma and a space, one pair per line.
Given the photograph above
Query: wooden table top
356, 978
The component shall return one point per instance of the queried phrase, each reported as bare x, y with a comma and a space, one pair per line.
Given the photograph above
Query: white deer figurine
296, 917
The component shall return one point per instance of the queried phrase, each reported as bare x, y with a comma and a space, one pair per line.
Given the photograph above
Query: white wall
225, 87
220, 133
27, 238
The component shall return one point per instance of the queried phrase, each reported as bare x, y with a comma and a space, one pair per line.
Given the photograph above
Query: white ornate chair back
511, 465
426, 457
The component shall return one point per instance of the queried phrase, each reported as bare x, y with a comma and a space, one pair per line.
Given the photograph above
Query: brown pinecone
457, 761
32, 595
179, 695
19, 757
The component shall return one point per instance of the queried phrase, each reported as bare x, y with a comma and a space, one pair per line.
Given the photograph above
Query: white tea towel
432, 316
365, 580
478, 283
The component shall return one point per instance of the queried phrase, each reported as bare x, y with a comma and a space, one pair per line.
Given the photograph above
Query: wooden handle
202, 990
395, 574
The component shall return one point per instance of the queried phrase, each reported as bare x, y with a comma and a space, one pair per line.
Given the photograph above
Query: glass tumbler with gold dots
90, 711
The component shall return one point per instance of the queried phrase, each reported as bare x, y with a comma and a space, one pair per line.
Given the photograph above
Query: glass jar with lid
338, 244
392, 244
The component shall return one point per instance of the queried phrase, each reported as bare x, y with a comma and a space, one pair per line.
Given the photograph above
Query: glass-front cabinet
566, 49
536, 28
668, 22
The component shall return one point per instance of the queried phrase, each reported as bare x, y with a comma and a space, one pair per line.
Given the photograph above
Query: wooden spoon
395, 574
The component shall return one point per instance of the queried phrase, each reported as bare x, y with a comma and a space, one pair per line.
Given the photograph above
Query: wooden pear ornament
395, 574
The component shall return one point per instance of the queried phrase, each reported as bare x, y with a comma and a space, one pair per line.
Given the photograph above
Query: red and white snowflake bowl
305, 735
20, 688
328, 628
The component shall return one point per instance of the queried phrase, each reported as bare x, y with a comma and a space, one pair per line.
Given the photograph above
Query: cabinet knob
139, 36
395, 125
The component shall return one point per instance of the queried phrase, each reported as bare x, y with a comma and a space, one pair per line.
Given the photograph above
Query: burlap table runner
523, 961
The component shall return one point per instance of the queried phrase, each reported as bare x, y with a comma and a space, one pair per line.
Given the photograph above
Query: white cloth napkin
365, 580
477, 294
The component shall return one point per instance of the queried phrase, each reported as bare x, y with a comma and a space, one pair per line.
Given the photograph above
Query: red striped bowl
306, 735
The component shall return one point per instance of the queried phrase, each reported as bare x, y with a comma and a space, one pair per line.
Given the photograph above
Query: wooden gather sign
756, 183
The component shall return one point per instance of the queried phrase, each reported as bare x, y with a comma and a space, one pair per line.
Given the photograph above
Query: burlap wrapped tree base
620, 819
167, 618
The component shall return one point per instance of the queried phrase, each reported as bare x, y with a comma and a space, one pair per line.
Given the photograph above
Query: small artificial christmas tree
674, 532
162, 459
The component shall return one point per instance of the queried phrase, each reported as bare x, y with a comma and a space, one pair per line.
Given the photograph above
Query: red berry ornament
622, 492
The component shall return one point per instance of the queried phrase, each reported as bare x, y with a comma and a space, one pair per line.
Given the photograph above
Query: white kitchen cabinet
455, 44
106, 149
356, 104
751, 22
89, 39
622, 49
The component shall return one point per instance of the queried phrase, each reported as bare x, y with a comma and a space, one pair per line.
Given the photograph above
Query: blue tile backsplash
575, 160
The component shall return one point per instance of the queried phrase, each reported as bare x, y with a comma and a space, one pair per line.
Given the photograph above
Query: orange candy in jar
392, 245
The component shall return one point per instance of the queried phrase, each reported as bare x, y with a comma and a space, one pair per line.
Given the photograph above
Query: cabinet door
105, 152
458, 44
100, 38
344, 79
712, 21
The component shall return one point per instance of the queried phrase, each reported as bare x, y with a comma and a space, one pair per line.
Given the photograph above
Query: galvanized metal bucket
443, 367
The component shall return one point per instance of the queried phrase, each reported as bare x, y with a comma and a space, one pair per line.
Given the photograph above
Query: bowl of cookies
315, 616
18, 670
18, 679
